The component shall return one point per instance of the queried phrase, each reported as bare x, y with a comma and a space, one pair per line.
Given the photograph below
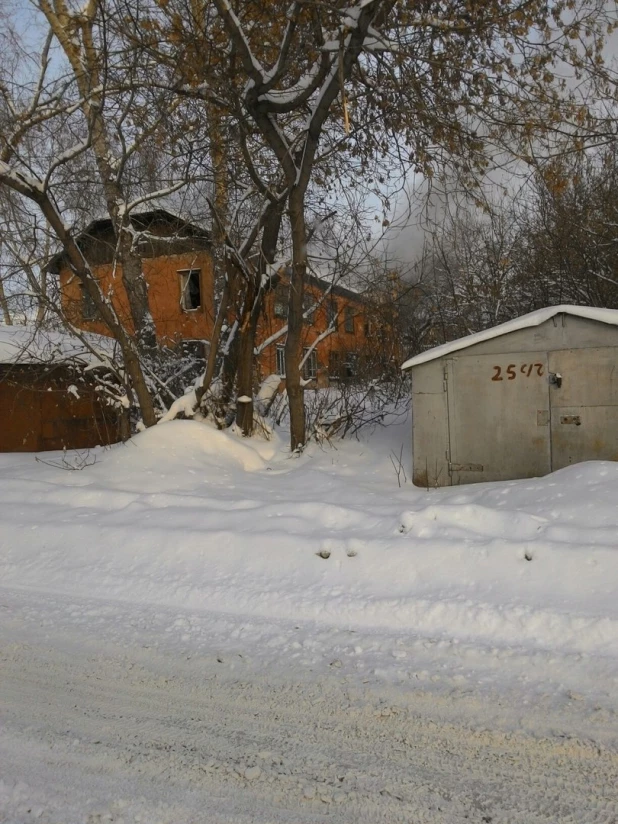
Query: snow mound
182, 452
187, 518
466, 520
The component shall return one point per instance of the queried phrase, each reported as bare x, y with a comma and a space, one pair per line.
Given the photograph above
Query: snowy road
99, 728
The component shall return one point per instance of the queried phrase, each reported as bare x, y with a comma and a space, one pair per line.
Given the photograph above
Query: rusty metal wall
37, 413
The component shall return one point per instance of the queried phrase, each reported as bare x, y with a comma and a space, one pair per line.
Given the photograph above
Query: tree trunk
244, 383
4, 304
218, 152
248, 330
42, 294
136, 288
215, 340
293, 344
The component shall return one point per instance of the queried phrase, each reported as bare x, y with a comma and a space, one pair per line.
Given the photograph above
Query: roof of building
146, 217
31, 345
524, 322
140, 220
335, 289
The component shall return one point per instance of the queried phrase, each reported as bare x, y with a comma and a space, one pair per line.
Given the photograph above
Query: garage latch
555, 379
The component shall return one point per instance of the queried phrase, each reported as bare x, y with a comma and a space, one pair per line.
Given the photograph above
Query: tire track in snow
93, 739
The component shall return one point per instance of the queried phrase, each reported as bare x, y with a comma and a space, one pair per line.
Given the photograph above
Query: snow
185, 404
268, 389
197, 627
29, 344
532, 319
186, 515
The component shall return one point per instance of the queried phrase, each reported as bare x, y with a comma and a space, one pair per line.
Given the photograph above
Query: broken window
190, 289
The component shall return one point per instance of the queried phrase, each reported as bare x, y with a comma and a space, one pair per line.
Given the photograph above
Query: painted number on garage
515, 369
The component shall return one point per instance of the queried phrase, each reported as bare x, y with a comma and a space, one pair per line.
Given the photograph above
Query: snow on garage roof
524, 322
27, 344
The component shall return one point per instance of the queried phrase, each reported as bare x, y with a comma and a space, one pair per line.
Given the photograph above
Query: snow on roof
27, 344
524, 322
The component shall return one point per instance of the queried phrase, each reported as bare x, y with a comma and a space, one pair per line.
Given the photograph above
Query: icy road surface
98, 728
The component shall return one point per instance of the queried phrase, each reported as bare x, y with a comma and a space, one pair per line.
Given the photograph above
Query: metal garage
517, 401
47, 398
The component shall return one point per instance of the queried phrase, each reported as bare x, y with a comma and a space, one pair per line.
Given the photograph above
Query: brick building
336, 355
178, 268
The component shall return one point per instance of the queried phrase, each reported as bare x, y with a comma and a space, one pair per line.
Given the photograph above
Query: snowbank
185, 516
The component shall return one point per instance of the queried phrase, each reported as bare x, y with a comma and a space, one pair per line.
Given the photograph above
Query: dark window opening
349, 319
281, 301
308, 308
195, 349
89, 309
332, 314
334, 365
190, 290
351, 365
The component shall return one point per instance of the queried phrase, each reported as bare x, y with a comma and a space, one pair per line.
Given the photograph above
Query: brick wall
165, 277
335, 354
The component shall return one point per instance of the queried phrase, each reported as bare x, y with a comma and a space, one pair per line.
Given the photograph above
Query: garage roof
524, 322
27, 344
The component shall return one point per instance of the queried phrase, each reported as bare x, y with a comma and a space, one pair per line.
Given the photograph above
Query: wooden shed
519, 400
48, 399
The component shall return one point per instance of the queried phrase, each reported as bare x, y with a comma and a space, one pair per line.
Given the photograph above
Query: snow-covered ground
192, 597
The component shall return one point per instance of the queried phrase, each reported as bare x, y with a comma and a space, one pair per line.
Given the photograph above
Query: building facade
178, 268
335, 332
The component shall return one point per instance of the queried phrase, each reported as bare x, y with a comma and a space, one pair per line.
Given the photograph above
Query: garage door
583, 391
498, 417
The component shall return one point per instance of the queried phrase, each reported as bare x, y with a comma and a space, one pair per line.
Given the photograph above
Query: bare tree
568, 233
310, 95
443, 84
91, 112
